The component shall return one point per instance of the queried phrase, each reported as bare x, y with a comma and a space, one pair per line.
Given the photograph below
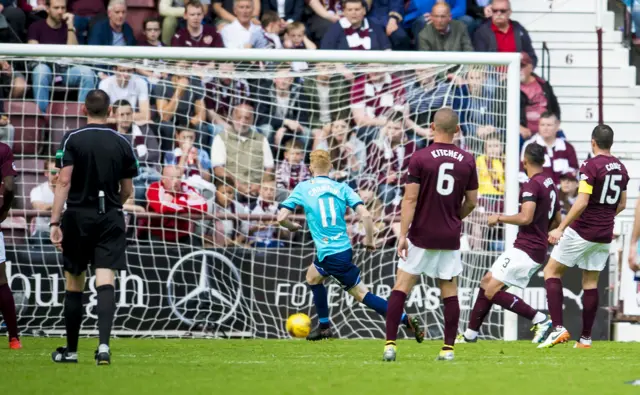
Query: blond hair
320, 161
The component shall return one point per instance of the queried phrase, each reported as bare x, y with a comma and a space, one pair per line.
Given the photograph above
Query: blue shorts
341, 268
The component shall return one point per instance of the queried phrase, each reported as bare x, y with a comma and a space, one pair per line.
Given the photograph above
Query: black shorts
92, 238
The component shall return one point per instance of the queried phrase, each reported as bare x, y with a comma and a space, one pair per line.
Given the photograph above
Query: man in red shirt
196, 34
171, 196
502, 34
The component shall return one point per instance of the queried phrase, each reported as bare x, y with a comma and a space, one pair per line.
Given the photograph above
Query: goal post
405, 63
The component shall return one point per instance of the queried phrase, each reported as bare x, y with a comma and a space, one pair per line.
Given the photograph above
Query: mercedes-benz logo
204, 283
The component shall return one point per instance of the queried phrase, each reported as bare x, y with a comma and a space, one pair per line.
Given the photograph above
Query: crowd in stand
233, 146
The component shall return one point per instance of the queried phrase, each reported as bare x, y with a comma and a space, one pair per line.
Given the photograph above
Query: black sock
72, 318
106, 309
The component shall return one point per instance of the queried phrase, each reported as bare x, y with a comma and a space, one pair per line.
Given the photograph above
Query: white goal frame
510, 60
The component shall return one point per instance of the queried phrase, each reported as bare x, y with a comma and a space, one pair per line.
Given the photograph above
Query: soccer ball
299, 325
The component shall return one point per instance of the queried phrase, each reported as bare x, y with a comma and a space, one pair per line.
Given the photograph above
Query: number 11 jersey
325, 204
604, 178
445, 173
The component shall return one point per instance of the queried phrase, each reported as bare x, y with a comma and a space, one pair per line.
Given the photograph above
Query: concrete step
563, 21
588, 76
609, 92
611, 58
617, 101
577, 6
625, 132
589, 113
569, 39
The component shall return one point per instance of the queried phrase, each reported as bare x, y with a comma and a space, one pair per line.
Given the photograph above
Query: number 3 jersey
533, 238
604, 178
325, 204
445, 173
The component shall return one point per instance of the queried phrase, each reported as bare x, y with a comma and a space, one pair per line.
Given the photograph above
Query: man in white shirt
239, 151
41, 197
241, 32
125, 85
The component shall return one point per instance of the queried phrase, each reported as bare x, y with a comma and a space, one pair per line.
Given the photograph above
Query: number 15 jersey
604, 178
445, 173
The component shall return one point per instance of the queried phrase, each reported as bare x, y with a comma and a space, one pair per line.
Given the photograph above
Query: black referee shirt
100, 157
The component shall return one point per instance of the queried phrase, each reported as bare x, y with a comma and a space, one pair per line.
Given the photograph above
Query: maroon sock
451, 319
554, 299
8, 309
395, 307
589, 311
513, 303
480, 310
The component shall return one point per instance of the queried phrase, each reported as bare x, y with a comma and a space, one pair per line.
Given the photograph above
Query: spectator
479, 117
568, 192
171, 196
180, 103
266, 234
151, 27
419, 13
324, 98
12, 83
41, 197
348, 153
279, 108
491, 169
288, 10
187, 157
477, 12
296, 38
390, 13
171, 11
85, 11
228, 230
195, 34
15, 22
292, 170
388, 159
427, 95
536, 97
57, 29
145, 145
242, 153
114, 30
325, 14
225, 10
502, 34
354, 31
272, 27
242, 31
225, 92
444, 34
561, 156
7, 131
124, 85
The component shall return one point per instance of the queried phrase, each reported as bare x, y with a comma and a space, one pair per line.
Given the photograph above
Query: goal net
221, 139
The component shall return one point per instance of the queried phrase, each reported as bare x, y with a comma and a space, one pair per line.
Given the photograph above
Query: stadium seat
29, 123
15, 230
137, 12
64, 116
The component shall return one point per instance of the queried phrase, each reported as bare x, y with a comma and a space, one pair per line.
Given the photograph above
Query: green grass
353, 367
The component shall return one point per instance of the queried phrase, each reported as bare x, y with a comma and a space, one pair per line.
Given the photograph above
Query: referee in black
97, 165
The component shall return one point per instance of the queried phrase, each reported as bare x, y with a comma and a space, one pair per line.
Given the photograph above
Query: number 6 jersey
604, 178
445, 173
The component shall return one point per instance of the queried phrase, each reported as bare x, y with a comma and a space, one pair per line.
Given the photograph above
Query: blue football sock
375, 302
405, 319
322, 306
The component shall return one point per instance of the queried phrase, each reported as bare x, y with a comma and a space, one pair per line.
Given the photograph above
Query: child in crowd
272, 26
568, 192
194, 162
292, 170
295, 38
228, 229
265, 233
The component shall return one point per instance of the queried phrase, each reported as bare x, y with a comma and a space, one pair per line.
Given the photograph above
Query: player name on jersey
447, 152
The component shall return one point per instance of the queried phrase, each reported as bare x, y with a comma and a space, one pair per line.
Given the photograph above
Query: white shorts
442, 264
573, 250
514, 268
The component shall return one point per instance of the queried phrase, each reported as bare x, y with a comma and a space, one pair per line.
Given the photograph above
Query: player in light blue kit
325, 204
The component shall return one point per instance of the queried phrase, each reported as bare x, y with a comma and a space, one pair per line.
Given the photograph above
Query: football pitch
270, 367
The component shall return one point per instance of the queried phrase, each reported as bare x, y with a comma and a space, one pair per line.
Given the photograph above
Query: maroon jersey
444, 172
7, 166
607, 178
532, 238
209, 38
